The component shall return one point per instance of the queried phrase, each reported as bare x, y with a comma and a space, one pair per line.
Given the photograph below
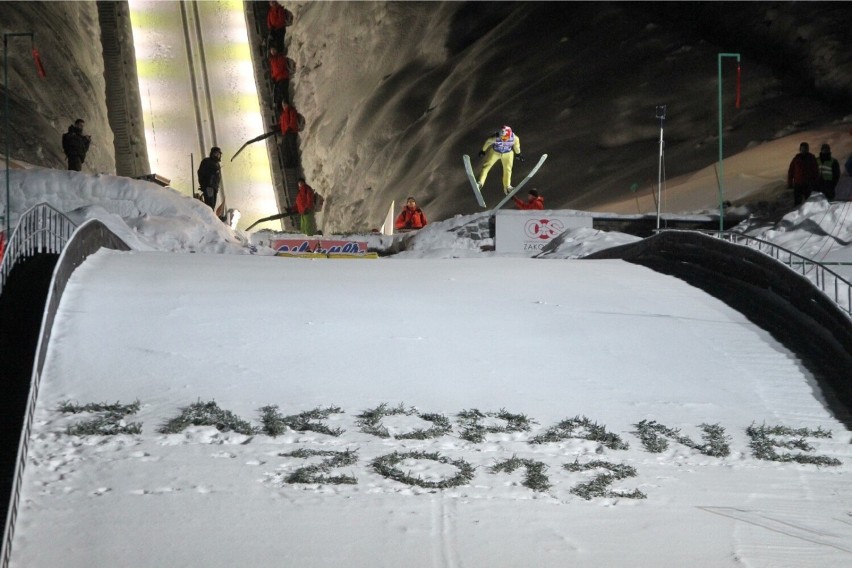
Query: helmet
215, 149
505, 132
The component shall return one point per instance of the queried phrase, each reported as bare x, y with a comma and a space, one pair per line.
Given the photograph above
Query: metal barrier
832, 284
40, 229
43, 229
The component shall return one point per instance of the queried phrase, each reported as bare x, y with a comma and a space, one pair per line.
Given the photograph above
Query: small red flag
39, 67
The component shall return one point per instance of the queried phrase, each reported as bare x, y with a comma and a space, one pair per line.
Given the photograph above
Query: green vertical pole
721, 164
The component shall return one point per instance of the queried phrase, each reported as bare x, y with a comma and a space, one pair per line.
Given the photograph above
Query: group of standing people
281, 68
808, 173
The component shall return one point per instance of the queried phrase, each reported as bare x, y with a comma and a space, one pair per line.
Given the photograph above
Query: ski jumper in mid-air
502, 147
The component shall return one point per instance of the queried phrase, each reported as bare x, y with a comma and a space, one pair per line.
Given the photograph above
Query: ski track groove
782, 527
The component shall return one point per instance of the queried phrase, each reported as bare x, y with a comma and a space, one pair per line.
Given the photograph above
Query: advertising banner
528, 231
319, 247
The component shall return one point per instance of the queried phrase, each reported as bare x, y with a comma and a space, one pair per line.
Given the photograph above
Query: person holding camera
411, 217
75, 144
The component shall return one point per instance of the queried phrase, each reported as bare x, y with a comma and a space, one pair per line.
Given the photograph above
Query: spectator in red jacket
534, 201
288, 126
277, 20
288, 120
411, 217
305, 207
280, 72
803, 174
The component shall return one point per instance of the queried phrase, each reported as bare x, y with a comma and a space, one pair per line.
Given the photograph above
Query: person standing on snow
288, 127
280, 71
829, 172
305, 206
210, 176
277, 20
288, 120
803, 174
411, 217
75, 144
534, 201
502, 146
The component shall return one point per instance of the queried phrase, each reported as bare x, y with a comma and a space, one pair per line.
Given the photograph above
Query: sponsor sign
319, 246
529, 231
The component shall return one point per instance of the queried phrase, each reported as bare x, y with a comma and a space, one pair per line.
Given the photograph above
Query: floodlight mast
721, 164
661, 114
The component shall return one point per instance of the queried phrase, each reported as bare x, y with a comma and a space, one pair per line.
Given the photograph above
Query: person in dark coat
210, 176
829, 172
75, 144
803, 174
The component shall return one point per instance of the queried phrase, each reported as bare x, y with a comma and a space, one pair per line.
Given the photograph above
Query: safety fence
41, 229
44, 230
828, 281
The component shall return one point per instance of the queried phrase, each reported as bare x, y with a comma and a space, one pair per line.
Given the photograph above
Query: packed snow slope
408, 370
445, 406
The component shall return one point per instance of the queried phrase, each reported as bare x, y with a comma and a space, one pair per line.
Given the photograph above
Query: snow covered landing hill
423, 412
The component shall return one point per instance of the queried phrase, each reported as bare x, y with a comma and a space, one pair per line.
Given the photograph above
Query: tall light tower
661, 114
721, 165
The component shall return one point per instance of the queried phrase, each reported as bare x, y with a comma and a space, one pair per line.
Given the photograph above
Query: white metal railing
832, 284
40, 229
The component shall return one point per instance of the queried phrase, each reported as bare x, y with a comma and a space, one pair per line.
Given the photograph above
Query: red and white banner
529, 231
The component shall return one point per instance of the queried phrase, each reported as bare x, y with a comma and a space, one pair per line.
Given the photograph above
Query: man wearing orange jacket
288, 126
535, 201
411, 217
305, 208
288, 120
277, 20
280, 73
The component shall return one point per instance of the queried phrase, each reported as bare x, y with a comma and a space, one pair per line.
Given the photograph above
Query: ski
518, 187
469, 169
263, 136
